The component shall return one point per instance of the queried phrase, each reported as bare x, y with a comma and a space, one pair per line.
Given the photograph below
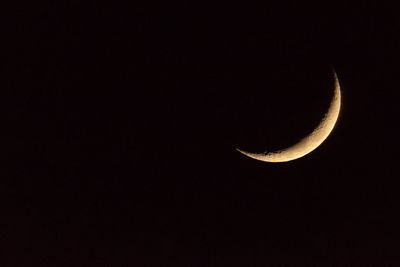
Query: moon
311, 141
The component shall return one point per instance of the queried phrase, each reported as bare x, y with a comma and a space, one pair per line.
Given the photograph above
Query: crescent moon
310, 142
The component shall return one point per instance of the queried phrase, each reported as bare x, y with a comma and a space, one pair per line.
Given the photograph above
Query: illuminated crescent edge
310, 142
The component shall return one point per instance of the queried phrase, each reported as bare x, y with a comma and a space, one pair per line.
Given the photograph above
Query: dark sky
119, 127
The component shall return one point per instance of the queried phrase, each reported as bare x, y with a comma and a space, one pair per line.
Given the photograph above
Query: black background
120, 126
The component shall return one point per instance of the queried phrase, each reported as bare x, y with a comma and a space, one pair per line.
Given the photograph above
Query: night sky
119, 127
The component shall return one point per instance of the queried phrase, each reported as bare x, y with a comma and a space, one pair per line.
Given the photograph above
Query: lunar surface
310, 142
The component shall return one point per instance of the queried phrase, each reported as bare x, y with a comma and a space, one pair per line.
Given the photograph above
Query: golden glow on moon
310, 142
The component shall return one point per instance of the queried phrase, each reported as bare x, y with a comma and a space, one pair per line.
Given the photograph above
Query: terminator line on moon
310, 142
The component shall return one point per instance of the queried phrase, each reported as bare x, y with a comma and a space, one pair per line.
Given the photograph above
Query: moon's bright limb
310, 142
